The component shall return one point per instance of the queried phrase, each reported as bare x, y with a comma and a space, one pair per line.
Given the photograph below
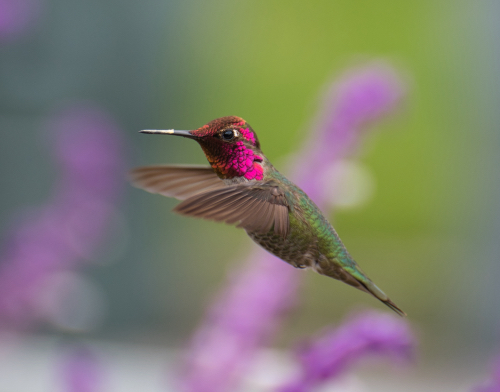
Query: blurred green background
428, 237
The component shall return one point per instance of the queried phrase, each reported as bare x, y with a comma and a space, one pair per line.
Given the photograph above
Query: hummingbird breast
299, 248
299, 254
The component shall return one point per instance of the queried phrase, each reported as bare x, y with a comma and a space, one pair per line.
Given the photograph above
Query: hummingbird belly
296, 250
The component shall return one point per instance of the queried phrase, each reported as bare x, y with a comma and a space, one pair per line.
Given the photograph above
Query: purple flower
67, 230
494, 385
244, 317
16, 16
359, 98
367, 334
81, 371
248, 311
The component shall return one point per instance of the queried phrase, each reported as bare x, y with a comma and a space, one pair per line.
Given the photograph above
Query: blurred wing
250, 206
176, 181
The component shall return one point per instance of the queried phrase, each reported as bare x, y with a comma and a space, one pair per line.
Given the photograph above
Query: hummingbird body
242, 187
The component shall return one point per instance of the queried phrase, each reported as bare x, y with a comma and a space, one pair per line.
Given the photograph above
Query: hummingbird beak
175, 132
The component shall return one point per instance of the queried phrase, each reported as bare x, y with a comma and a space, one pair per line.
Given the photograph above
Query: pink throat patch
241, 162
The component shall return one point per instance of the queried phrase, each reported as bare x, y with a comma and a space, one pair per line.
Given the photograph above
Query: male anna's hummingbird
242, 187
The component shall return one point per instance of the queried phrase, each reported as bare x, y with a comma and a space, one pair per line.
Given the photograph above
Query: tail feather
394, 307
354, 276
372, 289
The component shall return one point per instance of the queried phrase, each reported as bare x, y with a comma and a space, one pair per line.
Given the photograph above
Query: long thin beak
175, 132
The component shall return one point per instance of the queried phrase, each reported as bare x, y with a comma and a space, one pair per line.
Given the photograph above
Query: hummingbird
242, 187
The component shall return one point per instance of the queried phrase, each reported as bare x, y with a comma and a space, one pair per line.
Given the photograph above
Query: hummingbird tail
394, 307
372, 289
354, 276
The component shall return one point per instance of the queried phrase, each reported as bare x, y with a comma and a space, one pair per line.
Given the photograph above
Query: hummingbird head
230, 145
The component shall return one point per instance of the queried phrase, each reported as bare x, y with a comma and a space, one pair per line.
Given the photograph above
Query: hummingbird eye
229, 134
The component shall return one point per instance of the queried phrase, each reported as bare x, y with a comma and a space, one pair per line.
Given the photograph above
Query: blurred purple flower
248, 311
360, 97
370, 333
17, 16
243, 318
81, 371
494, 385
67, 230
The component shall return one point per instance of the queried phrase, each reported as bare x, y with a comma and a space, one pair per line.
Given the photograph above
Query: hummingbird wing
254, 207
179, 181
